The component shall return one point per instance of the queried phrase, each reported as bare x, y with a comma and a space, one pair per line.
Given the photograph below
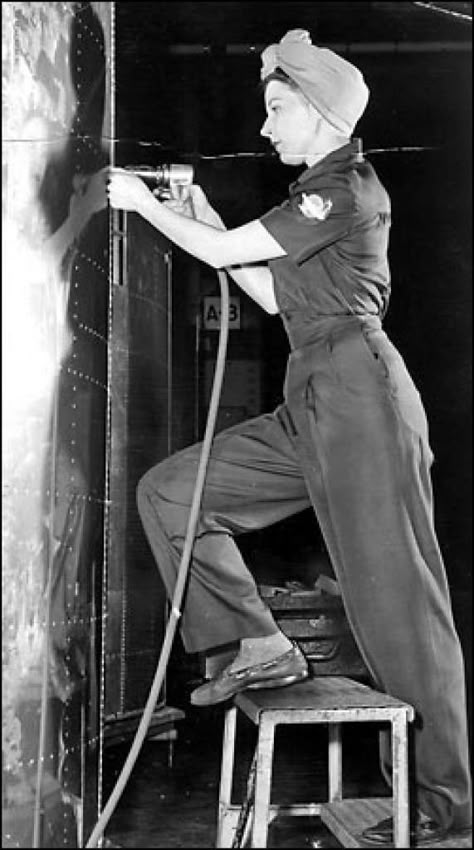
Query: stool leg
335, 762
401, 816
263, 781
224, 831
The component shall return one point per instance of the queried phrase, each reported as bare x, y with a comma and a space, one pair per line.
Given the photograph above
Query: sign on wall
212, 313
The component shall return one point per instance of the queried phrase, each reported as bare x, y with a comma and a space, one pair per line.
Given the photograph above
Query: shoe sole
277, 683
258, 686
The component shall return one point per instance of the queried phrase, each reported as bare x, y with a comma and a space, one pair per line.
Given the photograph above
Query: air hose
182, 575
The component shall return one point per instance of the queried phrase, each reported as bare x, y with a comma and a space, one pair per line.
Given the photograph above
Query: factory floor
175, 805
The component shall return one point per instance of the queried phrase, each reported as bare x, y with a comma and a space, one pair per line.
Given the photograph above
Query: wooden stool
327, 699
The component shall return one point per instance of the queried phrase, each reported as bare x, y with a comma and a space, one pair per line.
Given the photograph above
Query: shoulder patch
314, 206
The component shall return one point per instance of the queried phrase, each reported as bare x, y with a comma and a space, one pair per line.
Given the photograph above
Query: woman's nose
265, 131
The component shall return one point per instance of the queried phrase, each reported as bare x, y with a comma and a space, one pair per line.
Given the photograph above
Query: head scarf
335, 87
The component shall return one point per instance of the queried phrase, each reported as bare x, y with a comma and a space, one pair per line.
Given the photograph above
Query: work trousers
351, 440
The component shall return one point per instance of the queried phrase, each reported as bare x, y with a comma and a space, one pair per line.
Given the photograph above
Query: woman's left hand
126, 191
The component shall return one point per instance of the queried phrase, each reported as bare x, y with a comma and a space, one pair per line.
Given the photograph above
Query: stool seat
324, 694
331, 700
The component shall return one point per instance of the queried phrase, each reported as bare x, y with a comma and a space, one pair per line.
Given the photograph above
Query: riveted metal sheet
140, 437
57, 122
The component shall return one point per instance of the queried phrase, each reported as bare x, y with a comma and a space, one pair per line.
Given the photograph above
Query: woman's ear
310, 108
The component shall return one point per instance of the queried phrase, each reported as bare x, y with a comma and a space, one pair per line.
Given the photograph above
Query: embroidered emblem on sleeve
314, 206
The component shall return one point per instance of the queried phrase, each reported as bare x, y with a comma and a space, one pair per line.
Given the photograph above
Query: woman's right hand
202, 208
195, 205
181, 206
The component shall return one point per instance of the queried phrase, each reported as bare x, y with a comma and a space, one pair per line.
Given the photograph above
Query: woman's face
291, 124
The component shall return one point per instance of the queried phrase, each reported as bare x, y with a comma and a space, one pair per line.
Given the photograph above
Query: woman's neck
326, 147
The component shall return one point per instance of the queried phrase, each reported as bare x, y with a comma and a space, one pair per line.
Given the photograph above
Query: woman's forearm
241, 250
201, 240
250, 243
255, 280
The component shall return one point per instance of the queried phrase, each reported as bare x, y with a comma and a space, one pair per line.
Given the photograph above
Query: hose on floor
180, 586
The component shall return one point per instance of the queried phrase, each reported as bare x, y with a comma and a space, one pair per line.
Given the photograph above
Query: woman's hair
279, 75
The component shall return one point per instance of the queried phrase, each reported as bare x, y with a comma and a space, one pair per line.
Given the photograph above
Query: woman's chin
290, 158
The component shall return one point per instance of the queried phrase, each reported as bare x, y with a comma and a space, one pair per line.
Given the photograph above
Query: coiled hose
181, 579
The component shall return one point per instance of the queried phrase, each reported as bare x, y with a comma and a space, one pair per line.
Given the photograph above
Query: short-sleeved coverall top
351, 439
334, 228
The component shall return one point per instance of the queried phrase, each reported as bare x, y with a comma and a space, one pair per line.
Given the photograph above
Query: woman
350, 439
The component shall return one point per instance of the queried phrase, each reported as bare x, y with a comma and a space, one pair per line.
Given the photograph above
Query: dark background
188, 91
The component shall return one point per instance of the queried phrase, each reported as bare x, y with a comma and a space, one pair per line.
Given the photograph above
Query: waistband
305, 331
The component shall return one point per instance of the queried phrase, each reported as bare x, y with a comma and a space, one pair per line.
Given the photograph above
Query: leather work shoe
284, 670
425, 831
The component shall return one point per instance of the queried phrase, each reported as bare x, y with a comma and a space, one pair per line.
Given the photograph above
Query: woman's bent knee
161, 483
148, 486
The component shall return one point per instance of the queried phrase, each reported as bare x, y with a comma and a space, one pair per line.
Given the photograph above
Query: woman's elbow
268, 303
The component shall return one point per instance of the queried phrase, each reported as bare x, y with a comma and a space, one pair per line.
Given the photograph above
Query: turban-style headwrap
335, 87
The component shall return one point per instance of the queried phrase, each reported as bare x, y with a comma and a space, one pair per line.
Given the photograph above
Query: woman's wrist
213, 218
148, 203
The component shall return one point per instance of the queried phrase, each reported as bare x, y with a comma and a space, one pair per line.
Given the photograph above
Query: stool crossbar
332, 700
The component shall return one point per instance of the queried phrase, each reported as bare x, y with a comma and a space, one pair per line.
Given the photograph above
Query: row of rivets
37, 493
93, 263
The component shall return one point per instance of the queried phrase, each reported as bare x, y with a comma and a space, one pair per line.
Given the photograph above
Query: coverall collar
352, 152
